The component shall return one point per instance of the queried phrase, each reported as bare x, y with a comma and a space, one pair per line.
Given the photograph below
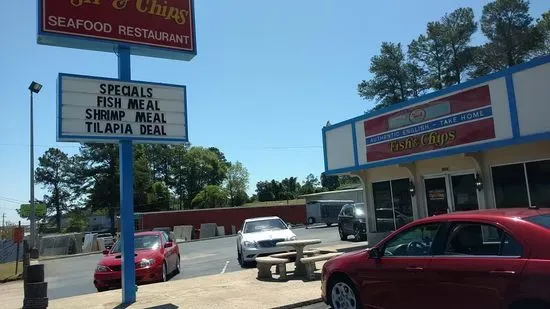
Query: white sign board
94, 109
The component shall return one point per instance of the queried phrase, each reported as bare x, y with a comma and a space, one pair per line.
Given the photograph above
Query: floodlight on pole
35, 87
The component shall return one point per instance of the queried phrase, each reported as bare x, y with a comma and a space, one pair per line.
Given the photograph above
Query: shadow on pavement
290, 277
164, 306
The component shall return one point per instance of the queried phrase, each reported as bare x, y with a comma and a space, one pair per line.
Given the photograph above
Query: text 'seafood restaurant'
478, 145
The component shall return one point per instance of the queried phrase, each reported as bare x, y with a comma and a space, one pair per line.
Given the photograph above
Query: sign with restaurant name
108, 110
157, 28
458, 119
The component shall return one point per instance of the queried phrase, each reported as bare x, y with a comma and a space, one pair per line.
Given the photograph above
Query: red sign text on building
459, 119
151, 23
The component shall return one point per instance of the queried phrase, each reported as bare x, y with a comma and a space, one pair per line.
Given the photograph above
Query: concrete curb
301, 304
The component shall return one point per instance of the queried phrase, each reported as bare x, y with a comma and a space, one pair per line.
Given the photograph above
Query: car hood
115, 258
268, 235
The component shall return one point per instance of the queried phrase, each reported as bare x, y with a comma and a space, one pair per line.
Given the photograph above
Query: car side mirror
106, 251
239, 232
374, 253
168, 244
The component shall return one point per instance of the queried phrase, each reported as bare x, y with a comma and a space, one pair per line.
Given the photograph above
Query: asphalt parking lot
74, 276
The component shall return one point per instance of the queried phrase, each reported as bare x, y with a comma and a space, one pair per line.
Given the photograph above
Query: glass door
464, 192
437, 197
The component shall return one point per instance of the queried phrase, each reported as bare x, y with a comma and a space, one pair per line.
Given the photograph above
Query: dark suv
352, 221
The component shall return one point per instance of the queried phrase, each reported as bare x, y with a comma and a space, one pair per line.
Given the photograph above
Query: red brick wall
295, 214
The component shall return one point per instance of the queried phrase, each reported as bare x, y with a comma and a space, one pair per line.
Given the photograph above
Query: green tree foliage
543, 26
310, 185
236, 183
77, 222
443, 55
513, 38
212, 196
101, 166
40, 211
91, 178
54, 173
389, 84
431, 51
330, 182
202, 167
458, 28
178, 176
159, 197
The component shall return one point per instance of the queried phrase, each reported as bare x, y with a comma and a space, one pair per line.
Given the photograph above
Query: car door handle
502, 272
414, 268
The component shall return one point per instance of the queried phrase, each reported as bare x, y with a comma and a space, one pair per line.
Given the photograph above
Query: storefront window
511, 185
393, 205
538, 176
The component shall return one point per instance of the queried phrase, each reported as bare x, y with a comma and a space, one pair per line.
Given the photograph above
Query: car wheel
343, 295
310, 220
357, 234
178, 266
343, 235
164, 272
101, 289
240, 258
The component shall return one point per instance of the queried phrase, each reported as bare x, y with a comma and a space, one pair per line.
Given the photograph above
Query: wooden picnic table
299, 246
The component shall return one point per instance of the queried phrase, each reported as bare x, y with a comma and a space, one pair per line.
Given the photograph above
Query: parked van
324, 211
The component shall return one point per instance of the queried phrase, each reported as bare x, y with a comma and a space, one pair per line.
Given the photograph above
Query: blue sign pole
126, 196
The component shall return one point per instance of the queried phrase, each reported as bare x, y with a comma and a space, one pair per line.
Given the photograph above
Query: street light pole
33, 88
33, 231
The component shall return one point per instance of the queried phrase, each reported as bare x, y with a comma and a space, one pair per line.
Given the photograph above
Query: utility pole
3, 216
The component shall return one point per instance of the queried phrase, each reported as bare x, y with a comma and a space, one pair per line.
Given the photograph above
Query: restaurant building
480, 144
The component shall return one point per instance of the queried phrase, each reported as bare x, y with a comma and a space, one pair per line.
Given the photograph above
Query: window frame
392, 197
439, 234
524, 164
452, 224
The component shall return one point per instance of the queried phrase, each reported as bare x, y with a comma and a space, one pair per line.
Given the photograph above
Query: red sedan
156, 257
477, 259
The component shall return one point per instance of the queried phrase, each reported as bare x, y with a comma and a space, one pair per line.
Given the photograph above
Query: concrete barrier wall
226, 217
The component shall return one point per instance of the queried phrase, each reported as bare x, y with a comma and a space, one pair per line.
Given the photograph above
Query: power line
12, 200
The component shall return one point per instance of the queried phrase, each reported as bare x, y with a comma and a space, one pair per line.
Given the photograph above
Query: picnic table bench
309, 263
265, 263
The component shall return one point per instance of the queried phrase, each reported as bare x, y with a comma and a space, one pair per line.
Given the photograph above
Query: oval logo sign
417, 115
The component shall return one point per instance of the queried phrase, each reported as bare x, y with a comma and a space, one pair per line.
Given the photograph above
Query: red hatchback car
156, 257
477, 259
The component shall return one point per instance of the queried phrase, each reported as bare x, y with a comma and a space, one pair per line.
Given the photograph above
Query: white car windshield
264, 225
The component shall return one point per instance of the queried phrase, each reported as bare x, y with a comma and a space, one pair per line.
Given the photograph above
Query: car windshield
141, 242
542, 220
264, 225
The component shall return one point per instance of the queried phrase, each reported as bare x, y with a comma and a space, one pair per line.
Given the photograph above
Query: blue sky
268, 75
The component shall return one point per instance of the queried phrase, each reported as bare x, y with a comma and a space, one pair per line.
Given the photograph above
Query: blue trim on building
512, 105
445, 152
468, 84
354, 139
324, 132
115, 138
109, 45
516, 138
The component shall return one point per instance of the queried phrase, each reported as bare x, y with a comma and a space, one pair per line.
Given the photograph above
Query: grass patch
7, 270
277, 203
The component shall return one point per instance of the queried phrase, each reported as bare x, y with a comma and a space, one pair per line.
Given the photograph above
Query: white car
259, 237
